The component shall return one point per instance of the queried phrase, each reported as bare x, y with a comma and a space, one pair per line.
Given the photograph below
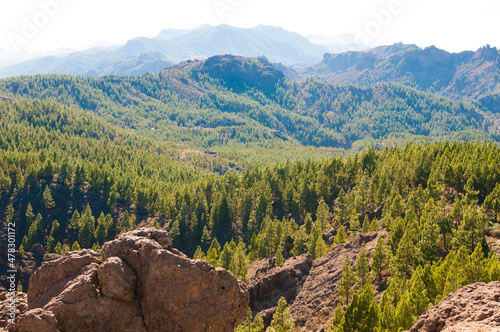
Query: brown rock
6, 307
38, 320
180, 294
314, 306
143, 285
117, 280
266, 289
54, 276
475, 307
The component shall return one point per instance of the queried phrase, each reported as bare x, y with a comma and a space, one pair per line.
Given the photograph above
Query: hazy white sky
454, 25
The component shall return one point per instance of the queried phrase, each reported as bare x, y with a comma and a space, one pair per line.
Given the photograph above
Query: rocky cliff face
314, 306
140, 284
310, 287
474, 307
265, 289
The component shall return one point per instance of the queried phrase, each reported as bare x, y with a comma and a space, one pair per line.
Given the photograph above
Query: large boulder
142, 284
475, 307
265, 289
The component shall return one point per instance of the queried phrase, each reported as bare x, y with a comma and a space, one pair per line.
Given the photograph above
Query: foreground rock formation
141, 284
474, 307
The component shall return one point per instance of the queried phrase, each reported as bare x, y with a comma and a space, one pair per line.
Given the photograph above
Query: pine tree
362, 313
320, 248
347, 281
308, 223
342, 211
404, 260
9, 216
75, 222
337, 319
75, 246
362, 267
251, 324
175, 233
322, 216
87, 230
127, 223
470, 231
199, 253
281, 319
341, 236
279, 260
476, 270
366, 224
58, 248
300, 242
29, 215
101, 232
48, 201
374, 226
51, 243
380, 258
225, 257
205, 238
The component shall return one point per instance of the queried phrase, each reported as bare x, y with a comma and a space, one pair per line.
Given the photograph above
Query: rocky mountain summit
140, 284
475, 307
454, 75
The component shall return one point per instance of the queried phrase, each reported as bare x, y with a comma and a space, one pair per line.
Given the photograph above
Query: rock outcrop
475, 307
6, 307
26, 264
142, 284
266, 289
314, 306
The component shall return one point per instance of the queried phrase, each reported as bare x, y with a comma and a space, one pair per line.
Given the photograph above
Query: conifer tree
48, 201
341, 236
320, 248
199, 253
374, 226
175, 232
322, 216
75, 246
251, 324
347, 281
362, 267
205, 238
380, 258
362, 313
29, 215
281, 319
279, 260
366, 224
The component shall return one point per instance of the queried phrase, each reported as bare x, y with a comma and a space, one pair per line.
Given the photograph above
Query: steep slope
462, 75
475, 307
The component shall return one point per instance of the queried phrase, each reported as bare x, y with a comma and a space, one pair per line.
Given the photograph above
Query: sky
453, 25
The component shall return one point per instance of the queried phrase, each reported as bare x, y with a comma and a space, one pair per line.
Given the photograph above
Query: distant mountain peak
236, 72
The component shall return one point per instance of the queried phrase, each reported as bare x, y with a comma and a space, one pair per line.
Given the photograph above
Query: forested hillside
233, 161
252, 105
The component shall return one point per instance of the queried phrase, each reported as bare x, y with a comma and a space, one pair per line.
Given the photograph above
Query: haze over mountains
170, 46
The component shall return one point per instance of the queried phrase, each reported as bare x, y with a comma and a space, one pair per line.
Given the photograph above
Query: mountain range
466, 75
170, 46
